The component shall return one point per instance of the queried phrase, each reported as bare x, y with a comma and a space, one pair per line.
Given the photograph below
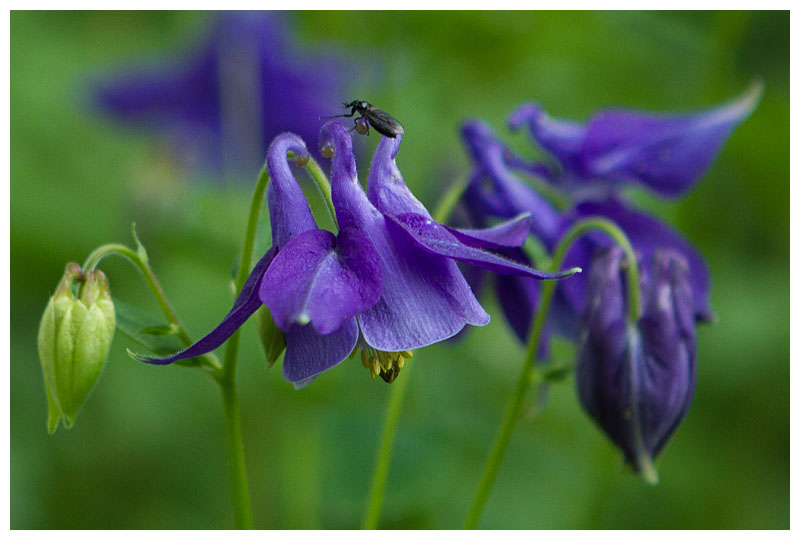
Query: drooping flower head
637, 379
74, 339
425, 298
308, 352
220, 104
389, 273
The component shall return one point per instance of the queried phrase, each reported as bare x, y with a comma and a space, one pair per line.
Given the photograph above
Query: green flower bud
272, 339
74, 339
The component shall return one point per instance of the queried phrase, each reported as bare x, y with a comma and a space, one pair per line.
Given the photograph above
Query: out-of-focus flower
242, 86
636, 379
495, 192
647, 235
493, 189
664, 153
74, 339
390, 271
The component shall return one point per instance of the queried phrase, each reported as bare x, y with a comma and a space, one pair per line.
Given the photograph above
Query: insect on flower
382, 121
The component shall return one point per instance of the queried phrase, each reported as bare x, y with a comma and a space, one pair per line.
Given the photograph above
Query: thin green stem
321, 180
227, 380
528, 375
208, 361
235, 445
449, 200
98, 254
384, 457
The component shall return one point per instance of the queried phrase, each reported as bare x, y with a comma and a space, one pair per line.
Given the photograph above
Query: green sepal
273, 342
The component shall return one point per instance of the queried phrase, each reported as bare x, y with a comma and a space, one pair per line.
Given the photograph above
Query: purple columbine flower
637, 379
308, 352
495, 190
664, 153
219, 105
389, 273
425, 298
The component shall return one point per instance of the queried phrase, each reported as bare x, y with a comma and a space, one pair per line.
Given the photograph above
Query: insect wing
383, 122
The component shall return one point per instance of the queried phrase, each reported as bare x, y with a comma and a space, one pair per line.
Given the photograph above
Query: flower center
383, 363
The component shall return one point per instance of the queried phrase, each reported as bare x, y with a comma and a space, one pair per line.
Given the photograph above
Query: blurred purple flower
664, 153
495, 191
242, 86
637, 379
647, 235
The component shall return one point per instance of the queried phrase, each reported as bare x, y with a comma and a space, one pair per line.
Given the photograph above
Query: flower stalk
227, 379
528, 375
384, 456
208, 362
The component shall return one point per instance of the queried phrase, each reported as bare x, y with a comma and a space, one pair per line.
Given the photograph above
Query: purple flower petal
289, 213
647, 235
666, 154
494, 190
425, 299
563, 138
323, 279
308, 353
509, 234
436, 239
245, 305
668, 335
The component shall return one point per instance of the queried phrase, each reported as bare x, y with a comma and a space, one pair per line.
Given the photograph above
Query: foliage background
148, 450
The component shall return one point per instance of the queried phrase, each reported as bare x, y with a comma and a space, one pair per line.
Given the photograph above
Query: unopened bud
74, 339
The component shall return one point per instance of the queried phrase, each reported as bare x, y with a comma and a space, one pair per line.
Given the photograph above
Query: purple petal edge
508, 234
434, 238
245, 305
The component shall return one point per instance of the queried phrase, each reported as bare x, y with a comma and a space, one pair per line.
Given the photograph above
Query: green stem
234, 442
528, 375
449, 200
316, 173
227, 380
384, 457
208, 361
98, 254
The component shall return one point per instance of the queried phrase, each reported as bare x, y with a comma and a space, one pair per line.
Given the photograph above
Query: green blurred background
148, 449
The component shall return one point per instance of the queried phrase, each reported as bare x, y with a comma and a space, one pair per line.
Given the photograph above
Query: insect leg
339, 116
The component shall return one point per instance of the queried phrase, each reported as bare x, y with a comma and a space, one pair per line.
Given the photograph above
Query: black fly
380, 120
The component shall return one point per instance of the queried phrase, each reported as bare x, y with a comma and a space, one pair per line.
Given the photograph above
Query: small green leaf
161, 330
146, 330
